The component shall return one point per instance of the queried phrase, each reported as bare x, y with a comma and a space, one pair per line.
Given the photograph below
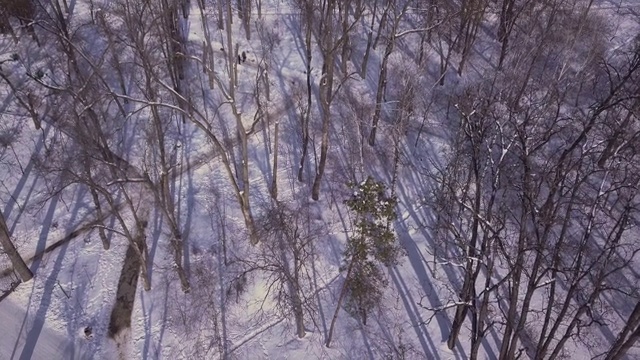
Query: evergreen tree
372, 245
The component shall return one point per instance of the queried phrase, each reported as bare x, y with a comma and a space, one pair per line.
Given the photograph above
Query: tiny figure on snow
244, 56
239, 60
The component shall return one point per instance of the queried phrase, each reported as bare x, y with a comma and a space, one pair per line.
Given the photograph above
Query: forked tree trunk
382, 84
328, 50
383, 22
96, 202
325, 98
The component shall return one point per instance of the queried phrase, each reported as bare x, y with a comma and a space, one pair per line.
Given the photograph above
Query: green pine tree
372, 246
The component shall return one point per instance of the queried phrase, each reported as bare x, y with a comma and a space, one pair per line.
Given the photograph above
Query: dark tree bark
16, 260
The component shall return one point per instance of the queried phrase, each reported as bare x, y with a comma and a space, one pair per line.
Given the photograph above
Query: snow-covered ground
28, 335
75, 284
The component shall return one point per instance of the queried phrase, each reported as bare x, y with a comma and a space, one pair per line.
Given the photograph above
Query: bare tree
471, 16
554, 219
160, 161
398, 12
283, 262
329, 41
287, 248
270, 42
307, 20
470, 184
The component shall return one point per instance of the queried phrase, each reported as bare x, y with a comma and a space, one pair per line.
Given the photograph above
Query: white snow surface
75, 285
30, 336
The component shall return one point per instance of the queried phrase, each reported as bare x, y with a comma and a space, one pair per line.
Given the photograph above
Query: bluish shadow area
38, 320
12, 201
417, 322
148, 351
156, 233
78, 296
44, 233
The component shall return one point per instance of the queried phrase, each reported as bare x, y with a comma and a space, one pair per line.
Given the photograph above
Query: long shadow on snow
147, 313
293, 128
190, 200
24, 321
20, 186
158, 221
158, 348
44, 233
45, 302
78, 291
79, 300
417, 322
416, 258
263, 160
292, 23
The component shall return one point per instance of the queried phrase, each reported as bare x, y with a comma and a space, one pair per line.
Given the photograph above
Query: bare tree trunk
243, 195
221, 17
298, 311
382, 78
306, 117
365, 59
16, 260
293, 284
208, 63
383, 22
343, 292
138, 239
346, 43
469, 32
177, 242
328, 48
96, 201
382, 83
246, 18
626, 346
367, 51
627, 337
274, 180
470, 275
326, 84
